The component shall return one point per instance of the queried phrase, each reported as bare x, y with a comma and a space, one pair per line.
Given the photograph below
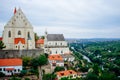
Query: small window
19, 32
61, 51
16, 46
56, 52
19, 13
61, 44
9, 34
15, 70
55, 43
4, 69
23, 46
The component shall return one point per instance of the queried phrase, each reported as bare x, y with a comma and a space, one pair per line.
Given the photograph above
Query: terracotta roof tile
40, 41
10, 62
55, 57
66, 73
17, 40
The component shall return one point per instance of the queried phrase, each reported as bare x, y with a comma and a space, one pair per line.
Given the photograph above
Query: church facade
55, 44
18, 32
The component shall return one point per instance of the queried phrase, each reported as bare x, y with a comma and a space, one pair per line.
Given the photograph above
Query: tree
2, 45
38, 62
36, 37
42, 37
108, 76
58, 68
2, 74
49, 77
91, 76
26, 61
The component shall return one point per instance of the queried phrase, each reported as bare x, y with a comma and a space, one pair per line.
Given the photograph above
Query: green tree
42, 37
26, 61
58, 68
36, 37
108, 76
91, 76
2, 74
49, 76
38, 62
2, 45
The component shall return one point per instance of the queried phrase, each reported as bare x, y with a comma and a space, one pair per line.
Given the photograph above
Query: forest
104, 58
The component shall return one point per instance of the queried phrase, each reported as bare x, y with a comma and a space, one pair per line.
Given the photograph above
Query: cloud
74, 18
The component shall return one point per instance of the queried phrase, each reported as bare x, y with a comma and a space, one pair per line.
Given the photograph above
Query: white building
18, 32
56, 60
10, 66
55, 44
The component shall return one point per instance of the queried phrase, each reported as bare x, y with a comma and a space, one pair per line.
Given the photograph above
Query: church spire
15, 10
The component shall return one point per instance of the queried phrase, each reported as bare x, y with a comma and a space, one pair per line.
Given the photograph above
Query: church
55, 44
18, 32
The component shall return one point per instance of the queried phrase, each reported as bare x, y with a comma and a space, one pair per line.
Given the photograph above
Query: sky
73, 18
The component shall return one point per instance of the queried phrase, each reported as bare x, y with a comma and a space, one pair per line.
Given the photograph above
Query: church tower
18, 32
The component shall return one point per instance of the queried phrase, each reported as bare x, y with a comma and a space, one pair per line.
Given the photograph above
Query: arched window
19, 32
28, 34
9, 34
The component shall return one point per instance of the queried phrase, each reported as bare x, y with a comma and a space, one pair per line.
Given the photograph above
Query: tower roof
18, 20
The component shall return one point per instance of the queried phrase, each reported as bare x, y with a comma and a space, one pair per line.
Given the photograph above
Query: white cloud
73, 18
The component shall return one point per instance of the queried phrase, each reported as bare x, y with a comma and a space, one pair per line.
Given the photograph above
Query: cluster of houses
18, 34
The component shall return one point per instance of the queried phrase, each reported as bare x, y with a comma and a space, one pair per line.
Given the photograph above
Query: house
40, 43
55, 44
68, 57
67, 73
56, 60
18, 32
10, 66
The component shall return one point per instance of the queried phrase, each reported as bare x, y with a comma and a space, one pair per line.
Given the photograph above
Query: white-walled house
18, 32
10, 66
55, 60
55, 44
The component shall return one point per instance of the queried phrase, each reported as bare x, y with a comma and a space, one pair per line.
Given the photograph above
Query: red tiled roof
1, 38
10, 62
9, 69
55, 57
66, 73
40, 41
17, 40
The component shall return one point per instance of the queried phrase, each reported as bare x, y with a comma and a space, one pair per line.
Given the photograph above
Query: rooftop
55, 57
17, 40
40, 41
55, 37
65, 73
11, 62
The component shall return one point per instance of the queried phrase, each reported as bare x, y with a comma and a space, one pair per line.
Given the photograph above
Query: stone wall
20, 53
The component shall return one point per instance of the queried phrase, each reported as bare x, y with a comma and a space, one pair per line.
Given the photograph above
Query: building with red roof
66, 73
56, 60
40, 43
10, 66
